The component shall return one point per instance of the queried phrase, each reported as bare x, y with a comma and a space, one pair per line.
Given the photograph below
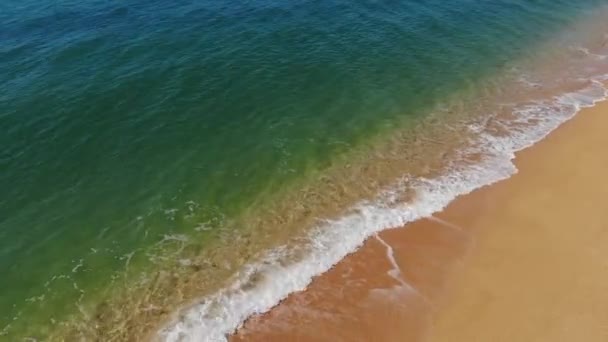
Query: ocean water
161, 154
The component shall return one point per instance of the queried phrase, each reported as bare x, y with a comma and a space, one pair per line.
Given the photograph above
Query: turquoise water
128, 129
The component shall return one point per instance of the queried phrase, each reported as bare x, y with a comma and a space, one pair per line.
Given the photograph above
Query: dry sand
525, 259
540, 268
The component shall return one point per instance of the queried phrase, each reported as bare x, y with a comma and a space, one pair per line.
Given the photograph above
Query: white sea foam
587, 53
218, 315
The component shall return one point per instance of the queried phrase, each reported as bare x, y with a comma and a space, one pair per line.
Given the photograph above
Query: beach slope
524, 259
539, 271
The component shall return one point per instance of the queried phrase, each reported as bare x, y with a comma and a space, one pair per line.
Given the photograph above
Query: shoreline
428, 253
509, 118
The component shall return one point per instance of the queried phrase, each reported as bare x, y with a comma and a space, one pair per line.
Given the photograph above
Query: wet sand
521, 260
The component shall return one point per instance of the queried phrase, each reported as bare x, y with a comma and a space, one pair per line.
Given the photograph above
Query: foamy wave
261, 286
585, 52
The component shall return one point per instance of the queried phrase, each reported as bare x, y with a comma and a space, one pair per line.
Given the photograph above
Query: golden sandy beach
540, 268
525, 259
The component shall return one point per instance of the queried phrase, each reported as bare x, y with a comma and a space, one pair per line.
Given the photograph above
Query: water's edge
216, 316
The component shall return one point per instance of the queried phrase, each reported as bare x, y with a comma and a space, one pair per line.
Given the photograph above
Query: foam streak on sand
261, 286
395, 271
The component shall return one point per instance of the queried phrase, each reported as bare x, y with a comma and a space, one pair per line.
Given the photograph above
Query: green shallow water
128, 128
